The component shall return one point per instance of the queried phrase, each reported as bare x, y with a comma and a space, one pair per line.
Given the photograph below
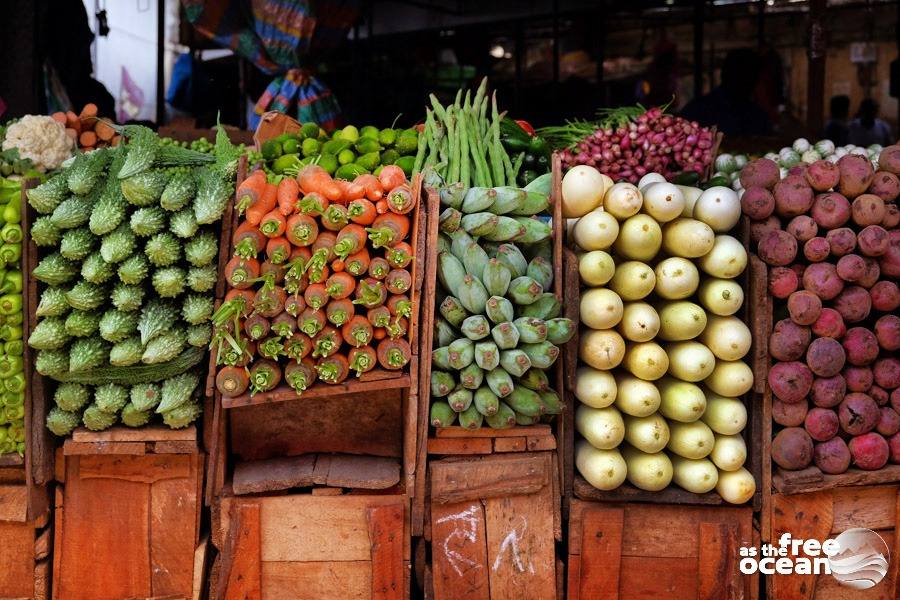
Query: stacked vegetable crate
335, 462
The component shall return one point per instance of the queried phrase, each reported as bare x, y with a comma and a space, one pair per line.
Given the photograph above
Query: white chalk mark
511, 542
468, 518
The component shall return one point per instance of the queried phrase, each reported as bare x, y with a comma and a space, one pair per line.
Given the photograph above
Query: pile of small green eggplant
499, 329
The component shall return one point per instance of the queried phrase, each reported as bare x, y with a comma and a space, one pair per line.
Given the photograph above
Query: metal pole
815, 90
698, 47
160, 59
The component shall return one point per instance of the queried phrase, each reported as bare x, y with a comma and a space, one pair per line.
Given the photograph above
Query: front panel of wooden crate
825, 514
127, 527
633, 551
307, 547
24, 544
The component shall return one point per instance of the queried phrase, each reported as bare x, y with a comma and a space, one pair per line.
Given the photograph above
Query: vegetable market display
128, 245
629, 142
12, 372
86, 129
345, 154
320, 279
499, 329
828, 232
662, 349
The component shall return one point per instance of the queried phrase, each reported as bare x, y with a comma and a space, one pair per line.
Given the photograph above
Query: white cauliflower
40, 139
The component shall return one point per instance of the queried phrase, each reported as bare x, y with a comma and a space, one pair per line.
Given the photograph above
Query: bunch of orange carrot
320, 281
87, 129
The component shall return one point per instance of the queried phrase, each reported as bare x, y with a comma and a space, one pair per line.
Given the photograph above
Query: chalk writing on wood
511, 543
465, 529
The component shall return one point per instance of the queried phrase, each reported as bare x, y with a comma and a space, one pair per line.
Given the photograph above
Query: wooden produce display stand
631, 551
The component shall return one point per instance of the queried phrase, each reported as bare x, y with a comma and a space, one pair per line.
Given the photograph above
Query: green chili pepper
10, 365
10, 303
12, 283
14, 348
10, 332
16, 383
13, 398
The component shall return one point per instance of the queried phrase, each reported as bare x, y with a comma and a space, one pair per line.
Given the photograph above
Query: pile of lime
345, 153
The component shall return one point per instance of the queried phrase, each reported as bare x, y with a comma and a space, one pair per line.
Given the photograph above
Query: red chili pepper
526, 126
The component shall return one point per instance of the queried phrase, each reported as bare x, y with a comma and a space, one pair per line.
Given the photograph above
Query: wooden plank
199, 583
347, 580
534, 444
386, 537
173, 447
487, 432
643, 577
806, 516
460, 446
353, 424
812, 479
718, 576
461, 480
459, 552
241, 566
601, 553
520, 546
869, 507
516, 444
11, 460
573, 578
150, 433
16, 559
363, 472
259, 476
566, 421
58, 538
326, 491
147, 469
174, 506
318, 392
73, 448
13, 503
42, 580
628, 493
43, 543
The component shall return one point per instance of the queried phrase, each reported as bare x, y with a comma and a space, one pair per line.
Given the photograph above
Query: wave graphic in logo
863, 559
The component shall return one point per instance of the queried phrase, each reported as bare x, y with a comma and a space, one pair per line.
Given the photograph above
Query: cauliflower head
40, 139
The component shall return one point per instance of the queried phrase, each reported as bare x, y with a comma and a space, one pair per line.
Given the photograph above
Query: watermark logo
858, 558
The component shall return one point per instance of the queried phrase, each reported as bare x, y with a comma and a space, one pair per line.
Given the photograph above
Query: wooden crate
311, 546
457, 440
127, 526
631, 551
24, 543
825, 514
492, 525
186, 131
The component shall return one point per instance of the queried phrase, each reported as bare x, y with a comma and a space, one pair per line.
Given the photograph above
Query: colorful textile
302, 96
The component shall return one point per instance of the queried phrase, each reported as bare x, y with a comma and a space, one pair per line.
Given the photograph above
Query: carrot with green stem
313, 178
257, 327
398, 281
327, 342
295, 278
248, 240
401, 200
399, 306
388, 229
349, 240
362, 211
270, 269
399, 327
399, 255
393, 354
294, 305
362, 359
340, 311
270, 298
298, 346
278, 249
232, 381
319, 274
313, 205
315, 295
337, 265
317, 265
326, 241
311, 321
340, 285
350, 190
263, 206
379, 268
381, 207
357, 264
373, 189
335, 217
240, 272
333, 369
286, 196
391, 176
250, 191
265, 375
301, 229
285, 324
300, 375
370, 293
272, 347
379, 316
357, 331
273, 224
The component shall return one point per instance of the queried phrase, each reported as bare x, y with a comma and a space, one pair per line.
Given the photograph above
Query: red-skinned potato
829, 324
788, 340
895, 399
777, 248
793, 196
870, 452
821, 424
861, 346
894, 445
891, 216
887, 332
790, 381
792, 449
885, 296
789, 415
858, 379
885, 185
879, 395
822, 280
782, 282
757, 203
802, 227
761, 172
830, 210
858, 414
816, 249
854, 303
873, 240
827, 392
889, 159
842, 241
887, 372
890, 261
867, 209
856, 175
804, 307
889, 423
851, 267
871, 274
825, 357
822, 175
798, 170
758, 229
832, 457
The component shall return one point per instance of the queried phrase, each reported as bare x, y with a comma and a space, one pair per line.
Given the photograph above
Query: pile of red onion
653, 142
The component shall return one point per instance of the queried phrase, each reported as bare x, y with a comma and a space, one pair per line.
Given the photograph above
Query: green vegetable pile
128, 268
344, 154
533, 149
12, 375
499, 327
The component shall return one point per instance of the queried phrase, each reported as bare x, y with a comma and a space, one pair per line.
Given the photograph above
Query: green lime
311, 146
328, 162
346, 157
350, 133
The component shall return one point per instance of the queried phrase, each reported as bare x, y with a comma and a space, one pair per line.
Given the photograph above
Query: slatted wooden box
25, 543
311, 546
127, 519
631, 551
825, 514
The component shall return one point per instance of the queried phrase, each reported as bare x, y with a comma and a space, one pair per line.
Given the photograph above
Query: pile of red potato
829, 235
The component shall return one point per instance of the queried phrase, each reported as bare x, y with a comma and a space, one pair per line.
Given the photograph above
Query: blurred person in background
836, 128
867, 129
